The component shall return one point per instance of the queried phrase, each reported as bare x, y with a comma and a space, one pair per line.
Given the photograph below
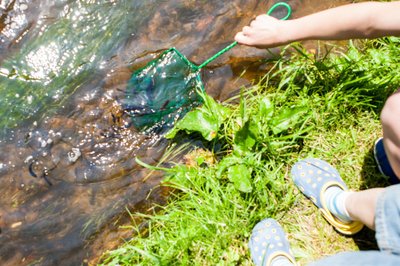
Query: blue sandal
383, 162
268, 241
313, 177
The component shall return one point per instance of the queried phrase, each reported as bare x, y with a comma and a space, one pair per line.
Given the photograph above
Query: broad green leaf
240, 176
287, 118
266, 109
206, 120
200, 160
215, 109
246, 137
227, 162
197, 121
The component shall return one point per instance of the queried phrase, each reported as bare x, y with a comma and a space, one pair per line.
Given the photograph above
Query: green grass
309, 105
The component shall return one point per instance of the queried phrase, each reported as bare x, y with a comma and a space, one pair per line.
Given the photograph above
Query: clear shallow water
67, 167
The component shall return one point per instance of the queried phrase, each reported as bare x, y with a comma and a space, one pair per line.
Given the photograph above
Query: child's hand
264, 32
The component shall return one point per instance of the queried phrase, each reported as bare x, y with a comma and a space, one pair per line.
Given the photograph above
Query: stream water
68, 173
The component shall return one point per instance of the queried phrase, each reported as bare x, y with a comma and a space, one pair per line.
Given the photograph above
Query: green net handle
272, 9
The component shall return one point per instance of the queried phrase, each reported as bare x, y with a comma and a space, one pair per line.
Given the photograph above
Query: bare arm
361, 20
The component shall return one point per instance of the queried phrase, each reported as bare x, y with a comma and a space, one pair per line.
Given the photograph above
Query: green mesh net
163, 91
167, 88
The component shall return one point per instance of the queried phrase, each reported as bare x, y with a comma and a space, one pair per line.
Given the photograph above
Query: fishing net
163, 91
167, 88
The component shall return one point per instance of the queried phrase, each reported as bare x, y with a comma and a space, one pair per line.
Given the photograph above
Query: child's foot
322, 184
336, 203
268, 245
383, 162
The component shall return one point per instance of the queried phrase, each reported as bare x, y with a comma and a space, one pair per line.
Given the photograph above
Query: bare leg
391, 131
361, 206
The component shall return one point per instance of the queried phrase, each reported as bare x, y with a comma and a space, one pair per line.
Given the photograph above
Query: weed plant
323, 105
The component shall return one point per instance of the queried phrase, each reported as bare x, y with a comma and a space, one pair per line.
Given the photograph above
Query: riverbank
311, 104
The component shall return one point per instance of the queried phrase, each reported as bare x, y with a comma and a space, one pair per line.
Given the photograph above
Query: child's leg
387, 223
390, 119
361, 206
322, 183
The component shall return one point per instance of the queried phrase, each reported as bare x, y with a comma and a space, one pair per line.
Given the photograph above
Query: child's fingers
260, 33
241, 38
247, 30
259, 20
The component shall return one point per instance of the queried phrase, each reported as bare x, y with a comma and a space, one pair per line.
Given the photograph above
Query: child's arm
362, 20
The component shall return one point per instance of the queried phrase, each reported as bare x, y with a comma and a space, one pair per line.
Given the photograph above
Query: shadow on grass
370, 178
